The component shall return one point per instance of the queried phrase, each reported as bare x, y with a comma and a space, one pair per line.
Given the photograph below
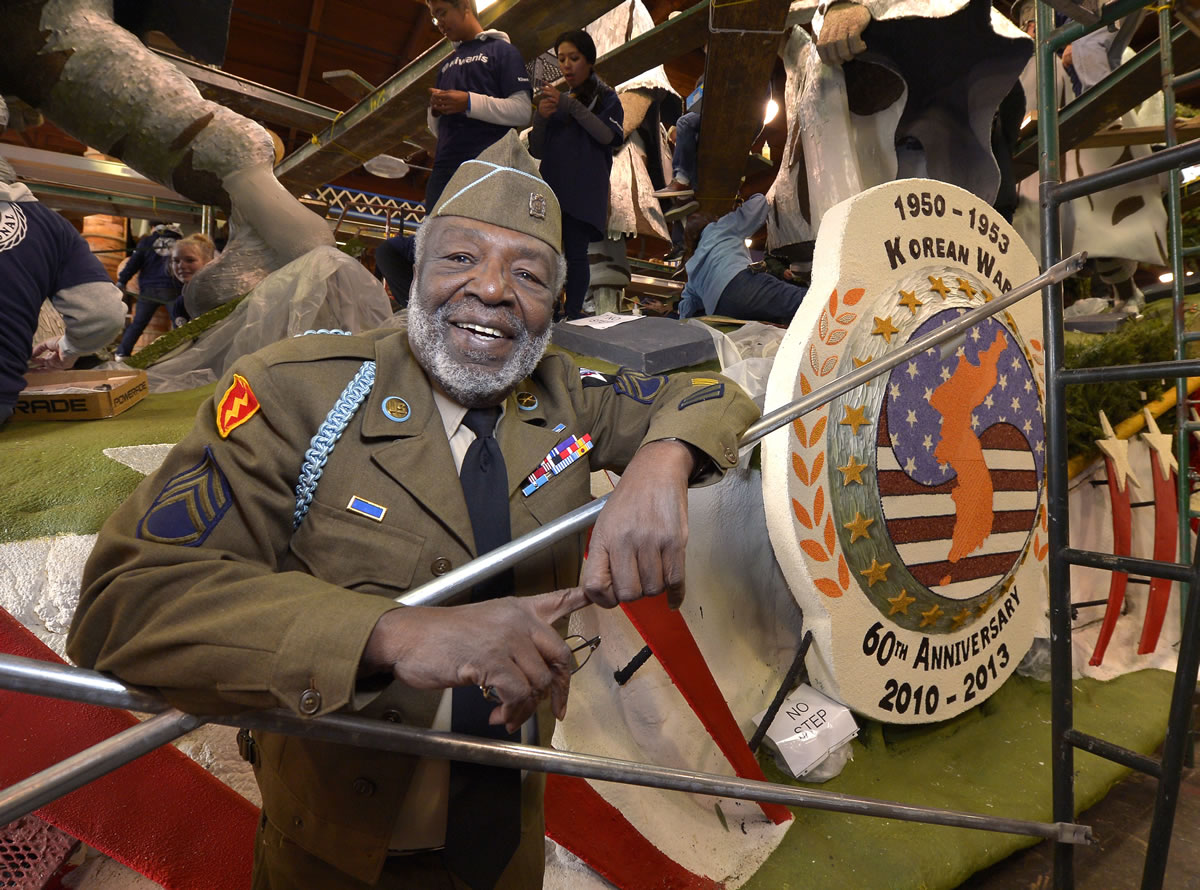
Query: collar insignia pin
396, 409
526, 401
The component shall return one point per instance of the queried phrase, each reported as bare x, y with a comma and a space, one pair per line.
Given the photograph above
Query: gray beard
470, 387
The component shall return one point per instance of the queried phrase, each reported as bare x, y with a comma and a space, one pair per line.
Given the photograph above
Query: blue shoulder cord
335, 423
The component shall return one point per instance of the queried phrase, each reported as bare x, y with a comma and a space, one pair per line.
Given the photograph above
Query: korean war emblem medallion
908, 514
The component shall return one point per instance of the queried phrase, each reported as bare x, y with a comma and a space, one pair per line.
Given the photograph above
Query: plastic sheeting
746, 354
324, 289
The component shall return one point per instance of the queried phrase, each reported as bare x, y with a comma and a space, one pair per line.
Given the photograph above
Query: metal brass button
364, 787
393, 717
730, 455
441, 565
310, 702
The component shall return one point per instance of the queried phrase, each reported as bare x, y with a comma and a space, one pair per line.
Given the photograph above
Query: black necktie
483, 825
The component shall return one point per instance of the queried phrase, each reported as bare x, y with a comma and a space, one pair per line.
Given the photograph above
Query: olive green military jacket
199, 584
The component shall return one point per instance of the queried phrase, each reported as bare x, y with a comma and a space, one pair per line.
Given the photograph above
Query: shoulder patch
189, 506
639, 387
237, 406
588, 377
715, 391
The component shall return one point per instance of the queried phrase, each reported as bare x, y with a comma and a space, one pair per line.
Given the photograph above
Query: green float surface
993, 760
55, 477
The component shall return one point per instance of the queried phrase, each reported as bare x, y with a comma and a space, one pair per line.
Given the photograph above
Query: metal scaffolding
1054, 193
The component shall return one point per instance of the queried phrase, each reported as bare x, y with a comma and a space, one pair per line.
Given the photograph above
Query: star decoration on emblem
986, 603
965, 287
957, 621
885, 328
854, 418
1160, 443
987, 296
1117, 451
900, 603
852, 472
937, 285
909, 299
876, 572
859, 362
858, 528
931, 617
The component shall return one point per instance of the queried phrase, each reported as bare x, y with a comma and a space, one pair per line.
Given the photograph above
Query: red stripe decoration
162, 815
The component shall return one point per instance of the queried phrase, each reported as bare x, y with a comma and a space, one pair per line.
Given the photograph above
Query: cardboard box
79, 395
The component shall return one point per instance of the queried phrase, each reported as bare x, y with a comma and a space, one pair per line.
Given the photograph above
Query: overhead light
387, 167
1166, 277
481, 5
772, 110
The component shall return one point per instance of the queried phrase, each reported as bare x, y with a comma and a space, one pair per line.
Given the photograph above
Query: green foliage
1150, 338
172, 340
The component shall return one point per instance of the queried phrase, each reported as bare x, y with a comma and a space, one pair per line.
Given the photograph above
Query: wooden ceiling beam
395, 112
742, 47
316, 10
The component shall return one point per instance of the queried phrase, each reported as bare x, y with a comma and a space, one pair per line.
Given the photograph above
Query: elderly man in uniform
257, 567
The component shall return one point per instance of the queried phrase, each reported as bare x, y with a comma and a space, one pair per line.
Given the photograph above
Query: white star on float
928, 443
929, 397
911, 420
987, 402
945, 373
895, 437
1016, 363
975, 334
1027, 426
1117, 451
974, 422
1003, 418
961, 352
1004, 381
1028, 386
1161, 443
894, 390
910, 466
1039, 447
911, 370
1016, 404
945, 467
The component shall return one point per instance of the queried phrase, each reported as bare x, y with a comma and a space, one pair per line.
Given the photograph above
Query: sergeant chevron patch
714, 391
189, 506
236, 407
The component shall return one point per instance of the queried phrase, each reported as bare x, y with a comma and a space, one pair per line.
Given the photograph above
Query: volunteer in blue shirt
482, 92
43, 257
574, 133
720, 280
157, 287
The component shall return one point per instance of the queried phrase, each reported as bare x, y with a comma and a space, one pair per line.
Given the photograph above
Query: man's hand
638, 545
840, 39
505, 643
49, 356
448, 101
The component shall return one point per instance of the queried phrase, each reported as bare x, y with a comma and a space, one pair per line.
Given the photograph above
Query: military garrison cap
503, 187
